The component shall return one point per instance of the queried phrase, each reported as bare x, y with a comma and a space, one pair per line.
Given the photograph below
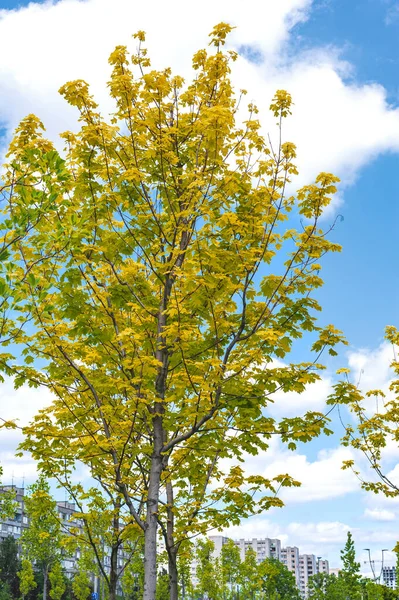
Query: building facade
15, 525
263, 548
290, 558
388, 577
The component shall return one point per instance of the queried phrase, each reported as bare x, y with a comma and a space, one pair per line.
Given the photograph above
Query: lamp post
372, 564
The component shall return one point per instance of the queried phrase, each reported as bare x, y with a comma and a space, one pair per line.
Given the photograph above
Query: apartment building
307, 568
290, 558
388, 577
263, 548
219, 541
19, 522
14, 527
309, 565
323, 565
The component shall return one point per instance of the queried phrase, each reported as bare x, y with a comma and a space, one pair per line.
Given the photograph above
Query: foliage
376, 422
230, 562
100, 525
10, 565
163, 586
26, 577
350, 572
208, 571
81, 583
250, 579
163, 269
42, 540
278, 583
5, 592
57, 582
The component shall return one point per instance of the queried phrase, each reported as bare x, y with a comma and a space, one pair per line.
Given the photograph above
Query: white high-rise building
307, 568
263, 548
323, 565
290, 558
219, 541
389, 577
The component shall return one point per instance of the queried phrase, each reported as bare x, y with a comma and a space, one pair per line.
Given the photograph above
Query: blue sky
340, 60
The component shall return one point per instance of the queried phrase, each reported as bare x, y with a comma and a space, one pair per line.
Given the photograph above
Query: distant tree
230, 564
81, 583
10, 565
208, 571
57, 582
184, 569
350, 572
162, 585
318, 586
5, 592
250, 580
278, 583
26, 576
41, 541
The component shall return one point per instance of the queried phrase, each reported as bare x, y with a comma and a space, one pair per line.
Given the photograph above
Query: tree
350, 572
230, 562
42, 540
163, 585
26, 577
99, 528
278, 583
57, 582
318, 586
162, 273
185, 558
208, 571
81, 582
250, 580
376, 422
10, 565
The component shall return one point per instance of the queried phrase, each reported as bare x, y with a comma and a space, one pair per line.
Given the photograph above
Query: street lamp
371, 563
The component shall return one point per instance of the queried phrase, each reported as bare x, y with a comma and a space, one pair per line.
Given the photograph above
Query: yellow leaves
281, 104
172, 277
118, 56
219, 34
139, 35
76, 93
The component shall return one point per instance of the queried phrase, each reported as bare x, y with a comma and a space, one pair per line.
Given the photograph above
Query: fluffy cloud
371, 367
379, 514
312, 399
19, 405
321, 479
338, 124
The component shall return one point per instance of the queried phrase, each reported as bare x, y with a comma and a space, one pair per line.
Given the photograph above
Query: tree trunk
113, 574
170, 545
173, 575
151, 526
45, 577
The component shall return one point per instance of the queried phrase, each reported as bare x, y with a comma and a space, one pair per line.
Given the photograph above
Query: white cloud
313, 398
338, 125
321, 479
380, 514
18, 405
371, 367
